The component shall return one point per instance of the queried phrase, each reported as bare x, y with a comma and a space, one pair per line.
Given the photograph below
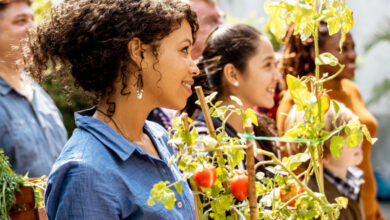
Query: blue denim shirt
101, 175
31, 133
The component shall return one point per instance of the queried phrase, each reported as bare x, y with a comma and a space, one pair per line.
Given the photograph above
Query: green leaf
354, 138
336, 146
174, 158
151, 201
367, 134
179, 187
334, 25
336, 106
326, 59
237, 100
293, 162
161, 193
276, 21
251, 114
210, 97
342, 201
298, 91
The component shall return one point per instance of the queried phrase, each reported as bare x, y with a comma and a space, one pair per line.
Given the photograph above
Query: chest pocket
22, 142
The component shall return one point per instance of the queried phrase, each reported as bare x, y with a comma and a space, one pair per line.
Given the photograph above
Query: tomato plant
206, 177
289, 191
239, 186
282, 195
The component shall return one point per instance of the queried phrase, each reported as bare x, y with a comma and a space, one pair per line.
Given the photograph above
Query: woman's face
347, 57
257, 84
168, 80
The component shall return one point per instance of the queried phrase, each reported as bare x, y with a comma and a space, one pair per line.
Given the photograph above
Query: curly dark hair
297, 59
234, 44
88, 39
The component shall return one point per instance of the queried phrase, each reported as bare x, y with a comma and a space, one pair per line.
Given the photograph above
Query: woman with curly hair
134, 56
238, 61
298, 60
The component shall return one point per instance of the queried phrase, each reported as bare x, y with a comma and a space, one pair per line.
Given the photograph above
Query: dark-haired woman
239, 61
298, 60
135, 56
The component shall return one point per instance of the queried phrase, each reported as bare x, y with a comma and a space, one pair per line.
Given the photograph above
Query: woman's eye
185, 50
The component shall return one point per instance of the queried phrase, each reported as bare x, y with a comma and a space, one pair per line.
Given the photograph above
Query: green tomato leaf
336, 106
161, 193
298, 91
151, 201
342, 201
251, 114
237, 100
179, 187
336, 146
334, 25
276, 21
326, 59
354, 138
367, 135
174, 158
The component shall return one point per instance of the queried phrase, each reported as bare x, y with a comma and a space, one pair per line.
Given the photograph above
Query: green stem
334, 75
261, 163
277, 162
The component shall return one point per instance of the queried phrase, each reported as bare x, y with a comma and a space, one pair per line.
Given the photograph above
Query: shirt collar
351, 187
5, 87
112, 139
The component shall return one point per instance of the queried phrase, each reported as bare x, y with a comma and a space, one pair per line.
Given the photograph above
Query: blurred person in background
32, 133
238, 61
298, 60
341, 176
208, 18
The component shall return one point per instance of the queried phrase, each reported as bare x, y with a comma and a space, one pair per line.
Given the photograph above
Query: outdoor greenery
201, 155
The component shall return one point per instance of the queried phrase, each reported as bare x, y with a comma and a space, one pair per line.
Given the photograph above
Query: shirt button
179, 205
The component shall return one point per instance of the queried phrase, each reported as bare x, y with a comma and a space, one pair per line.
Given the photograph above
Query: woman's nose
194, 70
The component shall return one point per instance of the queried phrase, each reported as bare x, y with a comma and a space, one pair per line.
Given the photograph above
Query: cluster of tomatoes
238, 184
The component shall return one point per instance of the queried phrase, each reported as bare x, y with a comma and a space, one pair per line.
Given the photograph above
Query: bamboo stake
205, 110
250, 167
193, 186
209, 122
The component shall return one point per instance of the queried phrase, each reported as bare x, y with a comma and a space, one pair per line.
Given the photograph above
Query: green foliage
9, 182
380, 90
40, 9
67, 102
306, 15
227, 153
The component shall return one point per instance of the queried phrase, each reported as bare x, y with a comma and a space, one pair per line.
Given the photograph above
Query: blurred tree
68, 100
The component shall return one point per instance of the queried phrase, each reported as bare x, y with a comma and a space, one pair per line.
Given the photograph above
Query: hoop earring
140, 86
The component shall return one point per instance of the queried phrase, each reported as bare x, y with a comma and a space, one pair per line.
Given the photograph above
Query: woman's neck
129, 116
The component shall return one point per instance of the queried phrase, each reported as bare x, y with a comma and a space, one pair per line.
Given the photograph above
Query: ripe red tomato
206, 177
290, 190
319, 96
239, 186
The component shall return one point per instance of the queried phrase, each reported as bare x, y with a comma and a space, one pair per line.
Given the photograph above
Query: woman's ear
136, 51
231, 74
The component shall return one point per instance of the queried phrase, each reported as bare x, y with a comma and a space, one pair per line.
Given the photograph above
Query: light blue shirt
101, 175
31, 133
